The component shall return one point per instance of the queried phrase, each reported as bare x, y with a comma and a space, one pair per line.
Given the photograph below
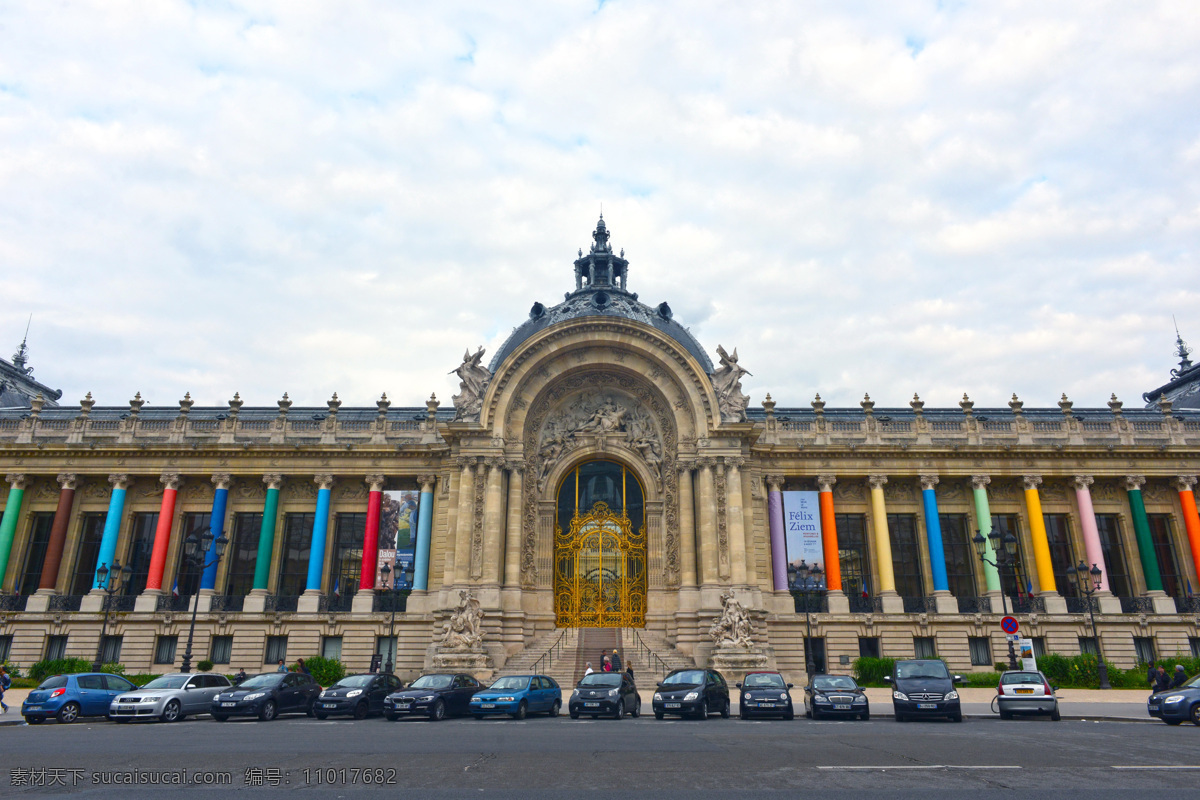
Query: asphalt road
545, 757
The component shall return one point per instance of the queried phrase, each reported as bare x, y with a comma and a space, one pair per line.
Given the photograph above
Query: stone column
735, 523
424, 531
8, 523
459, 564
1087, 525
1047, 587
983, 517
487, 566
687, 527
778, 539
892, 603
255, 602
835, 592
1149, 559
147, 601
944, 602
310, 601
706, 533
94, 601
368, 577
216, 524
513, 526
48, 585
1191, 520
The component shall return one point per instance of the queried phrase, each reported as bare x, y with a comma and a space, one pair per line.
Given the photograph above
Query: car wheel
322, 716
637, 709
438, 712
171, 712
312, 708
703, 712
360, 710
220, 717
725, 710
68, 713
814, 715
1055, 715
392, 717
957, 717
1173, 721
1195, 715
789, 714
521, 709
121, 720
35, 720
574, 715
267, 712
554, 709
658, 715
477, 716
900, 717
866, 715
620, 712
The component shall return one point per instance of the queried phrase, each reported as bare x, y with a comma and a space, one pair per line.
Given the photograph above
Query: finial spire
1182, 350
22, 354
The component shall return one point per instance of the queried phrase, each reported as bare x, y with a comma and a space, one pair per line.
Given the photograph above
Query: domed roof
600, 292
1183, 390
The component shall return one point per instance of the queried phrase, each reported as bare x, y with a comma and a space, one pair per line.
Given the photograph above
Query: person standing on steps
589, 669
616, 660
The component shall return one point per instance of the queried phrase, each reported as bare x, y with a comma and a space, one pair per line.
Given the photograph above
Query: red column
1191, 520
370, 562
162, 534
833, 562
58, 533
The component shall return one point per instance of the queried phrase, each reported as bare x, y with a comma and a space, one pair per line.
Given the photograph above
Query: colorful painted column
266, 534
1191, 520
112, 525
883, 541
775, 524
316, 556
983, 517
8, 523
58, 533
1037, 532
829, 537
216, 524
1087, 525
425, 531
370, 557
162, 533
933, 534
1141, 531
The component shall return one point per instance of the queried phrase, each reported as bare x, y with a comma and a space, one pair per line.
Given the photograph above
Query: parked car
266, 696
69, 697
835, 696
692, 692
1176, 705
434, 696
924, 688
1022, 692
765, 694
607, 693
518, 695
169, 698
357, 695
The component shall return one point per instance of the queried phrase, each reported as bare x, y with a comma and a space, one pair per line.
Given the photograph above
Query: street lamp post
110, 582
406, 577
195, 550
807, 581
1089, 584
1004, 548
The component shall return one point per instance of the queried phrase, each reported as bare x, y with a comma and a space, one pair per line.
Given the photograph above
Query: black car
692, 692
1176, 705
434, 696
266, 696
358, 695
765, 694
608, 693
835, 696
924, 688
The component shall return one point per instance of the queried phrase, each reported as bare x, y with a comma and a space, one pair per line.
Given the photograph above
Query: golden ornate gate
600, 571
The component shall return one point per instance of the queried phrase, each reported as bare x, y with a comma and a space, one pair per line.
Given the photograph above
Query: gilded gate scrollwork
600, 572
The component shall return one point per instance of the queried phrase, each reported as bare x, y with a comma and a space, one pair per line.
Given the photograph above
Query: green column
1141, 530
983, 513
266, 534
8, 523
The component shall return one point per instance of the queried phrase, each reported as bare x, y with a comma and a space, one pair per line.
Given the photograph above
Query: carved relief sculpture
463, 632
727, 381
474, 378
732, 628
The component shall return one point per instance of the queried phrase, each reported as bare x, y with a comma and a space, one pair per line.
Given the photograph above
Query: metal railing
281, 602
865, 605
13, 602
655, 664
545, 662
120, 602
1082, 605
1028, 605
817, 605
1138, 605
919, 605
1186, 605
171, 602
227, 602
974, 605
335, 602
65, 602
389, 601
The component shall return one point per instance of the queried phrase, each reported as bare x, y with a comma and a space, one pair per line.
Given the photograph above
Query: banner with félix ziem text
802, 528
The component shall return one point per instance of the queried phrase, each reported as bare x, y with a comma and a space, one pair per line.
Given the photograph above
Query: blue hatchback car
518, 695
69, 697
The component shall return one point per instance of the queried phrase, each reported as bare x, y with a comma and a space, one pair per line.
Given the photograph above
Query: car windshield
353, 681
834, 682
601, 679
511, 683
168, 682
1020, 677
763, 680
1194, 683
432, 682
911, 670
266, 680
690, 676
57, 682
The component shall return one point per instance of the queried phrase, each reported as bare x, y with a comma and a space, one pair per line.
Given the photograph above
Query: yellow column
687, 528
1037, 532
883, 542
735, 524
512, 537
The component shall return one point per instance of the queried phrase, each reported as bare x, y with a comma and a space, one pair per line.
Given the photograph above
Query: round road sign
1009, 624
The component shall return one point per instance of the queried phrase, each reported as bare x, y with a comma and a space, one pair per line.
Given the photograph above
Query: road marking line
1165, 766
925, 766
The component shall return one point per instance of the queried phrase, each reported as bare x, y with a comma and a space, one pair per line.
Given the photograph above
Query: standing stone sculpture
474, 378
460, 645
727, 381
732, 633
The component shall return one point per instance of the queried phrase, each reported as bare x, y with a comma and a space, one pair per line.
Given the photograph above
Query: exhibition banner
1025, 653
802, 528
397, 534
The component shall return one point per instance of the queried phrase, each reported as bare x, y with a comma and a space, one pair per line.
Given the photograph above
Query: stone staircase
650, 654
559, 665
572, 648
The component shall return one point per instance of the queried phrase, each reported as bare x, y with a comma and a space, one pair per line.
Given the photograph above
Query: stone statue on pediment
727, 381
474, 378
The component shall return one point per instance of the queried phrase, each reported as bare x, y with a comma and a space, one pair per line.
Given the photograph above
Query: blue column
216, 524
316, 556
424, 530
933, 532
112, 525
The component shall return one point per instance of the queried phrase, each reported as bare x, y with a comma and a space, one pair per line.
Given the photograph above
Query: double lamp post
406, 578
195, 551
808, 582
110, 581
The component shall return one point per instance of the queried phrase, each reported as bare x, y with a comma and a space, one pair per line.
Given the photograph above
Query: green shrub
204, 666
115, 669
141, 679
981, 680
14, 671
59, 666
325, 671
871, 671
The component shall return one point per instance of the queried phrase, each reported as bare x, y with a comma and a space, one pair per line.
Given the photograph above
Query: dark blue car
1177, 705
69, 697
518, 695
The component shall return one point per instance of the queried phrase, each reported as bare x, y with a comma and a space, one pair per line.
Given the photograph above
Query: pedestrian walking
616, 660
5, 683
282, 666
629, 672
1180, 677
589, 669
1162, 681
301, 668
1151, 674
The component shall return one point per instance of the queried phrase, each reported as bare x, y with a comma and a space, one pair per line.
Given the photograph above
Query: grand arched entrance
600, 548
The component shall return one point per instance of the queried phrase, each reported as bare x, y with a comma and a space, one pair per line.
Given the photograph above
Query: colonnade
712, 497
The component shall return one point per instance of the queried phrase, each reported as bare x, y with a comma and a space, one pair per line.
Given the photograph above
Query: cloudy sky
932, 197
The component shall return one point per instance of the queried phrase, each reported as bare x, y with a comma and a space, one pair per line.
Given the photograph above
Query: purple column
1087, 524
778, 543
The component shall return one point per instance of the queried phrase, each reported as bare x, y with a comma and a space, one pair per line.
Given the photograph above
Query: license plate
330, 705
125, 706
592, 705
841, 707
228, 705
487, 705
766, 705
926, 705
1024, 691
33, 708
673, 705
1153, 707
404, 703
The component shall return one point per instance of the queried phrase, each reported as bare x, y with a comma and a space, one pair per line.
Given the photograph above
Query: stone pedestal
478, 664
735, 662
1107, 603
147, 601
892, 603
39, 601
999, 603
92, 602
1162, 603
1055, 603
945, 603
309, 602
204, 601
838, 603
363, 602
255, 602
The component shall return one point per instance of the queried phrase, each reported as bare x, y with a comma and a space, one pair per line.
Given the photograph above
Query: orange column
833, 562
1187, 498
162, 533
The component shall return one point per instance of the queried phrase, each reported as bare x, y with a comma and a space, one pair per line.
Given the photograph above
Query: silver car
169, 698
1023, 692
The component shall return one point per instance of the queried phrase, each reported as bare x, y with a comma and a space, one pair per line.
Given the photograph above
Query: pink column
162, 533
1087, 522
370, 562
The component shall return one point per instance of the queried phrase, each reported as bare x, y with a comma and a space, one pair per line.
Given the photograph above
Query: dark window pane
960, 554
187, 577
221, 649
1109, 528
35, 554
852, 554
297, 541
56, 647
868, 646
981, 651
141, 545
91, 532
277, 648
243, 554
1062, 554
1013, 579
164, 650
347, 554
906, 555
1164, 550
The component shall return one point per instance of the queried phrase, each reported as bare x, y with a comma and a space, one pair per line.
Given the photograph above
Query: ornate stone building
599, 471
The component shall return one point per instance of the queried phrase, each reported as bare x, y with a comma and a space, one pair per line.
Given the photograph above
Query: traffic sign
1009, 624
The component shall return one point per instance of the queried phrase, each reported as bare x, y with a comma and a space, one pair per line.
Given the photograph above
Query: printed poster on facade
397, 535
1025, 653
802, 528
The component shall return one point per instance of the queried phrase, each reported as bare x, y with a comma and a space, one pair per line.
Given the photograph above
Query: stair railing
656, 664
548, 656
